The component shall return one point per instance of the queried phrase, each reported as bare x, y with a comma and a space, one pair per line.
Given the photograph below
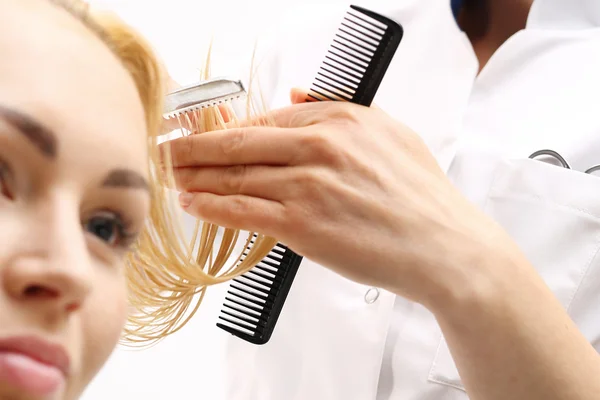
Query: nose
47, 281
53, 270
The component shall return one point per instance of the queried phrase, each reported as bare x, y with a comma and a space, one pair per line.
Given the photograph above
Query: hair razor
205, 94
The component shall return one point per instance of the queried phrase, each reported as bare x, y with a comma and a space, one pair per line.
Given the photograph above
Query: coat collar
564, 14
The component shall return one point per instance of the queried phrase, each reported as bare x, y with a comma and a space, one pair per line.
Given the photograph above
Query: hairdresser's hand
346, 186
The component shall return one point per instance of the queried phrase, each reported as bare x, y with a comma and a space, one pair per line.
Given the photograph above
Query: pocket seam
431, 376
584, 270
542, 200
504, 169
440, 380
584, 273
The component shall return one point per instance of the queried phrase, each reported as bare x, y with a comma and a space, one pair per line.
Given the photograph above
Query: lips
33, 365
38, 350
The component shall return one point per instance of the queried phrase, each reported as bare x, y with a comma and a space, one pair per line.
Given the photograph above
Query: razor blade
205, 94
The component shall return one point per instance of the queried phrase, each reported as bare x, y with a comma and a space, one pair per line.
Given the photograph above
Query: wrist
510, 337
480, 281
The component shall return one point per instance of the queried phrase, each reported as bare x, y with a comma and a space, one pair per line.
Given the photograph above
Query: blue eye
109, 228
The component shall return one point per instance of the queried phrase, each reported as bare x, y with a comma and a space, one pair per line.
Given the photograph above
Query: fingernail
185, 199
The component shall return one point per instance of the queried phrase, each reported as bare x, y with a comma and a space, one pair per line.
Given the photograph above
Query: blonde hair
168, 276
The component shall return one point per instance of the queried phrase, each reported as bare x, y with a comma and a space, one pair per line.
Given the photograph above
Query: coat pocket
553, 214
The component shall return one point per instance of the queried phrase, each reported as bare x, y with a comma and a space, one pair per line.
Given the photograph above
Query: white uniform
339, 340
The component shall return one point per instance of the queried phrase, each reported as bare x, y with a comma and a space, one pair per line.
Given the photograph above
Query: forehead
56, 70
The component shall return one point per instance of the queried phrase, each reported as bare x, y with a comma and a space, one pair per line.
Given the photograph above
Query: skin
489, 23
320, 180
61, 277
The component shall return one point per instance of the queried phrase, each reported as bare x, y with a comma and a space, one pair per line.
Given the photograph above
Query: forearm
515, 341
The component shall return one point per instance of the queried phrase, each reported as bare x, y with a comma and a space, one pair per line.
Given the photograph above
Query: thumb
298, 96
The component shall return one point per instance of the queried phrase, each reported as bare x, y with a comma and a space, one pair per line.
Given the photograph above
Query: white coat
339, 340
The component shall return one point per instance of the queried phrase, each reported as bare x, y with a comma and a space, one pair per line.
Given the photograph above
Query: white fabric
540, 90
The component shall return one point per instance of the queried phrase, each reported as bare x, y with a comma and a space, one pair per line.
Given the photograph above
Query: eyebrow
38, 135
125, 178
46, 142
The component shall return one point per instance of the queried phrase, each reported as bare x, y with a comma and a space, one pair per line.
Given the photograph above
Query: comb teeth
250, 308
362, 48
200, 106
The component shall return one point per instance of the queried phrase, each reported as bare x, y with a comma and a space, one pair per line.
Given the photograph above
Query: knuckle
232, 178
308, 188
315, 141
239, 208
302, 118
297, 221
242, 212
341, 113
233, 212
183, 178
319, 145
232, 143
309, 179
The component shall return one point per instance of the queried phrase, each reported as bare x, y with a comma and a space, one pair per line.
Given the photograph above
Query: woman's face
73, 195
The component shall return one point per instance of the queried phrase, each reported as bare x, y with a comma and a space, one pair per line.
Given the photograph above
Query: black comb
352, 71
358, 59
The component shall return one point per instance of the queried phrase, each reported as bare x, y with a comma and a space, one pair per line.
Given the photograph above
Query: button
371, 296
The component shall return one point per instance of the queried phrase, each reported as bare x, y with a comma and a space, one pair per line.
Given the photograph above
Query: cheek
103, 321
12, 230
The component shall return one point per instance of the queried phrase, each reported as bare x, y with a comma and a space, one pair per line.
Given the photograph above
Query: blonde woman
74, 192
82, 218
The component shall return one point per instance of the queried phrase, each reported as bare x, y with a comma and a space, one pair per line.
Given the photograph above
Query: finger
282, 117
297, 115
298, 96
260, 181
236, 212
259, 145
